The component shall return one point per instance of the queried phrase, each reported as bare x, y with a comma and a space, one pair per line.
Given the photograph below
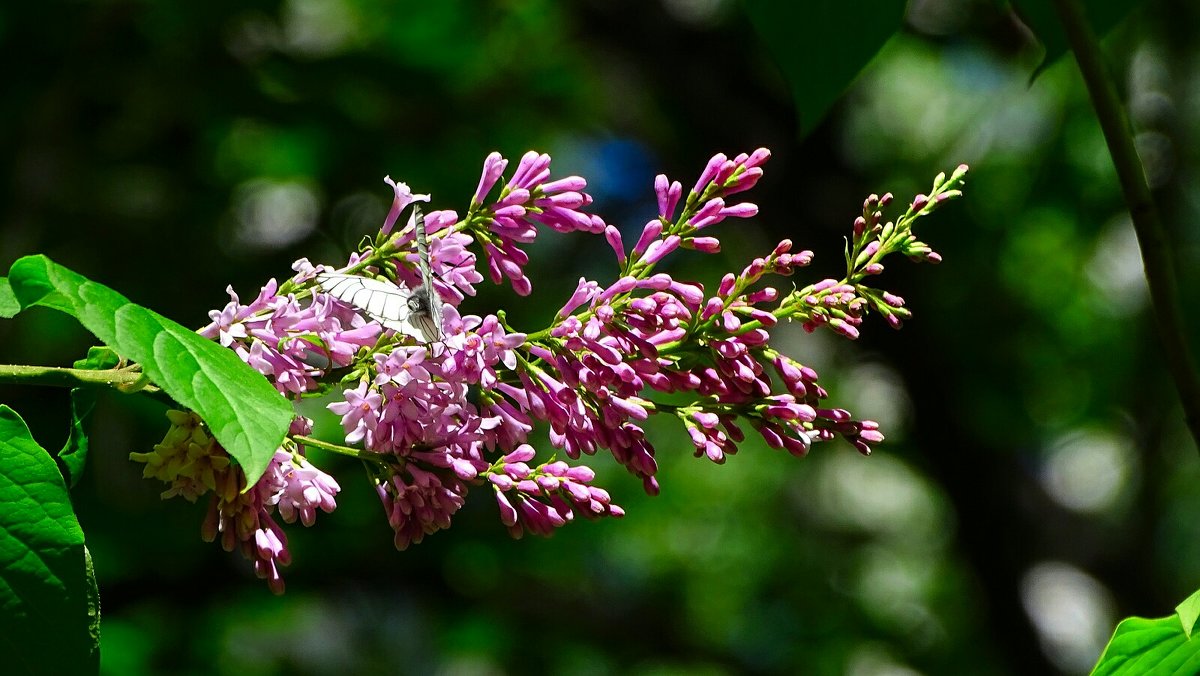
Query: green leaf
9, 307
1189, 612
821, 45
99, 358
46, 626
73, 456
1041, 18
242, 409
1141, 646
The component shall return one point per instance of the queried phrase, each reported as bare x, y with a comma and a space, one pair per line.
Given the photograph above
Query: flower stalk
1157, 262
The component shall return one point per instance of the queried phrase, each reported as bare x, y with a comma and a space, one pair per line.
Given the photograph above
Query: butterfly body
428, 305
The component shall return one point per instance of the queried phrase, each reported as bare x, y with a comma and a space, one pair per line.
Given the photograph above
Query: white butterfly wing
380, 300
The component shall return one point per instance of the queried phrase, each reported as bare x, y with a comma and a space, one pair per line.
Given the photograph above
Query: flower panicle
193, 464
528, 201
842, 305
543, 498
433, 418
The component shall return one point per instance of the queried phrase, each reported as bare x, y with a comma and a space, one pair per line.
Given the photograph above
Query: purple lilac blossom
434, 420
193, 464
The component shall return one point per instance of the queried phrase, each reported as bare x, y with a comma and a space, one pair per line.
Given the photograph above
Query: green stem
1156, 258
359, 453
57, 376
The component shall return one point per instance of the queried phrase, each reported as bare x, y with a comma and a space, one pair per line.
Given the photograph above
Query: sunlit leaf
48, 600
1189, 612
243, 410
1141, 646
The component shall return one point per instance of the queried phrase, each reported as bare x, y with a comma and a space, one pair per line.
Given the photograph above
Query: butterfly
416, 312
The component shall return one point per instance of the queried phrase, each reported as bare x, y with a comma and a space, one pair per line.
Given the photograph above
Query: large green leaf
821, 45
48, 614
243, 410
1141, 646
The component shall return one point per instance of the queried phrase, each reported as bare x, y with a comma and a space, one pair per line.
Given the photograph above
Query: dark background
1037, 484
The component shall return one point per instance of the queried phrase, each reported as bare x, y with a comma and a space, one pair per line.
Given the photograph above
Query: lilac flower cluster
568, 489
291, 343
431, 421
528, 200
193, 464
842, 304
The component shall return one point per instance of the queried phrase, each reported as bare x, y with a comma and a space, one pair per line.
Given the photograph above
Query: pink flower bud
843, 328
530, 169
518, 196
712, 308
727, 284
508, 515
668, 194
742, 210
659, 249
511, 212
493, 167
564, 200
708, 214
522, 453
650, 233
691, 294
771, 435
757, 158
763, 317
613, 236
797, 445
581, 473
710, 172
744, 181
709, 245
570, 184
730, 322
764, 295
755, 270
622, 285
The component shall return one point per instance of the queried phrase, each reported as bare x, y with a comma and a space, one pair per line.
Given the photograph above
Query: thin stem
359, 453
1156, 258
57, 376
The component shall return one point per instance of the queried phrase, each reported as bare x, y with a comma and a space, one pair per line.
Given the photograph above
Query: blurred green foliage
1036, 467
